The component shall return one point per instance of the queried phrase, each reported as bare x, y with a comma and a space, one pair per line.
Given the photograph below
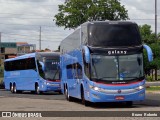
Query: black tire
14, 88
37, 91
84, 102
11, 88
68, 97
65, 92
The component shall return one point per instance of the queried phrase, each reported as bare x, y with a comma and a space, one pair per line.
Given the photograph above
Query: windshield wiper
102, 78
132, 77
94, 69
55, 74
105, 77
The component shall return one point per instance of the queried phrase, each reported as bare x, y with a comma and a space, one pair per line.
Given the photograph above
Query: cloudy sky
20, 20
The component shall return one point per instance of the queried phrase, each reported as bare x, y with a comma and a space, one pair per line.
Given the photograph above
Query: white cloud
143, 11
20, 20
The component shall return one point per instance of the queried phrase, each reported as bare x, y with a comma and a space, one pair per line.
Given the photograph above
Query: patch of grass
1, 80
1, 83
150, 79
153, 88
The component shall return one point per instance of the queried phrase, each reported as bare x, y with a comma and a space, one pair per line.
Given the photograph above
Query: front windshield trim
117, 81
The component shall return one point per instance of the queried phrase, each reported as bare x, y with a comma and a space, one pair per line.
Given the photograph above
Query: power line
18, 36
22, 14
140, 19
32, 39
26, 25
156, 19
24, 18
25, 34
2, 3
27, 37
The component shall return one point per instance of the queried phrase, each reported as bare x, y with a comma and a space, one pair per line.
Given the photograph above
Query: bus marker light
96, 96
141, 95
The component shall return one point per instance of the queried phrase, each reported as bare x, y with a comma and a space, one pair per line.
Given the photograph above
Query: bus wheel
84, 102
11, 88
67, 95
14, 88
37, 91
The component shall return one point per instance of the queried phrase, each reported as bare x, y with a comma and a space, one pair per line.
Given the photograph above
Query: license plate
119, 97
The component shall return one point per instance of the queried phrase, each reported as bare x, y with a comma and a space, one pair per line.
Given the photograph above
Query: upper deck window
113, 35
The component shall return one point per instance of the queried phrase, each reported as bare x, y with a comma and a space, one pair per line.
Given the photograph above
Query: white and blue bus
37, 72
102, 61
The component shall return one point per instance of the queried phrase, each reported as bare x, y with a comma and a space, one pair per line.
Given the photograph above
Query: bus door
74, 75
71, 82
78, 78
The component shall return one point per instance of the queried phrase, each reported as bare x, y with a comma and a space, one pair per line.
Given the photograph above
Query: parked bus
102, 61
37, 72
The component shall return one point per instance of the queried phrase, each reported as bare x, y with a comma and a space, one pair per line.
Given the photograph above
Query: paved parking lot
55, 102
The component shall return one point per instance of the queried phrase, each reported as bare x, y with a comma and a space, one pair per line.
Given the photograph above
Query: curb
153, 92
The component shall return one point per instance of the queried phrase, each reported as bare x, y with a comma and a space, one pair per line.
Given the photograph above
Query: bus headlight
94, 88
48, 84
140, 87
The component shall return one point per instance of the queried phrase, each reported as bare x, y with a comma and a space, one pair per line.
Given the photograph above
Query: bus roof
22, 57
49, 54
109, 22
33, 55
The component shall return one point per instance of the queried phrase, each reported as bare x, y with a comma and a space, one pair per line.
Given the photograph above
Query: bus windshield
113, 35
116, 68
51, 69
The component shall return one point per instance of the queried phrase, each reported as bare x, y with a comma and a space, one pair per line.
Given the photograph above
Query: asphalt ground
52, 102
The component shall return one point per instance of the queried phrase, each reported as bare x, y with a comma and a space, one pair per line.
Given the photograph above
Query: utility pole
156, 32
40, 39
156, 20
0, 42
0, 50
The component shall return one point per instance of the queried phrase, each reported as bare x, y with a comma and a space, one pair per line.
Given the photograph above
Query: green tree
147, 35
149, 38
155, 64
75, 12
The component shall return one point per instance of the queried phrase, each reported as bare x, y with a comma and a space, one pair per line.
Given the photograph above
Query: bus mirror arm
42, 66
86, 54
149, 52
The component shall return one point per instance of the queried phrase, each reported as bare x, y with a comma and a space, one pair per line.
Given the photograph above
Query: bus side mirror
42, 64
149, 52
86, 54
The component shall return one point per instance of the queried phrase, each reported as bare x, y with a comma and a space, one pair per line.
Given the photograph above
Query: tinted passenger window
22, 64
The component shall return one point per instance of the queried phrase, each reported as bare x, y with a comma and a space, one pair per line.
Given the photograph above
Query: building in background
13, 49
23, 48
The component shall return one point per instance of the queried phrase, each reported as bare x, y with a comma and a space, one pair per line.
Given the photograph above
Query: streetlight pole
0, 42
0, 50
40, 39
156, 20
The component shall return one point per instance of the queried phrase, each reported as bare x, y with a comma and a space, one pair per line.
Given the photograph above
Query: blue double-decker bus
37, 72
102, 61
